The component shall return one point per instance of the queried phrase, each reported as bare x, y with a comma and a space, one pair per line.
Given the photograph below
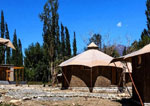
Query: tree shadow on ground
128, 102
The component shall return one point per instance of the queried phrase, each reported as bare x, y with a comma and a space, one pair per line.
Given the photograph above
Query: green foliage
111, 51
147, 12
15, 52
16, 58
29, 74
35, 63
115, 53
57, 42
68, 47
124, 51
41, 62
50, 17
2, 49
97, 39
145, 39
5, 104
145, 36
20, 55
8, 55
63, 46
2, 25
133, 47
74, 45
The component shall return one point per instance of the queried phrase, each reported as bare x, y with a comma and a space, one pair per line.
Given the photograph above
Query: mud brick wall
81, 76
141, 77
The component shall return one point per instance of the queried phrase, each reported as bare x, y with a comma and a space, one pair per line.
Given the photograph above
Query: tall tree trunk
53, 73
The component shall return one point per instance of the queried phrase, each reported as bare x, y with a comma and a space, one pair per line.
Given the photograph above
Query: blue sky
120, 19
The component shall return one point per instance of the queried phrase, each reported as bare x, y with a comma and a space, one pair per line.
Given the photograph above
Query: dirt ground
75, 101
8, 97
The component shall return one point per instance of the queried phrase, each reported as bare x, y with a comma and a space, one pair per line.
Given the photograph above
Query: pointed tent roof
6, 42
144, 50
92, 46
92, 57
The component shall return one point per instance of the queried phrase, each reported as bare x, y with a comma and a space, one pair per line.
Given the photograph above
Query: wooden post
23, 75
65, 78
91, 81
91, 77
19, 76
16, 77
124, 77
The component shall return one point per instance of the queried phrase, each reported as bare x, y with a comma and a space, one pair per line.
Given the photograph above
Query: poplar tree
57, 43
62, 41
2, 48
68, 47
15, 52
97, 39
8, 54
50, 32
20, 59
147, 12
74, 45
124, 51
145, 35
2, 25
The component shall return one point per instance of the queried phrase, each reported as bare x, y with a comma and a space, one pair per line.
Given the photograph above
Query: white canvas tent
89, 67
91, 58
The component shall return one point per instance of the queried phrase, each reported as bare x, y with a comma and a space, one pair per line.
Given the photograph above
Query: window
139, 61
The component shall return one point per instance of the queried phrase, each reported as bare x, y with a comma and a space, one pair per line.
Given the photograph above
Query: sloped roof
6, 42
91, 58
144, 50
92, 45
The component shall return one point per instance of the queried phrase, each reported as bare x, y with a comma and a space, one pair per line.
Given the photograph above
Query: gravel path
48, 93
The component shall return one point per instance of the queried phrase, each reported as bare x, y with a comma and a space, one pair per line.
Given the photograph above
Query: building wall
137, 74
81, 76
147, 79
141, 77
3, 73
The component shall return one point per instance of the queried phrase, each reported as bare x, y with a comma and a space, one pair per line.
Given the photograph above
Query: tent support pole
16, 73
120, 76
134, 85
65, 78
22, 75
